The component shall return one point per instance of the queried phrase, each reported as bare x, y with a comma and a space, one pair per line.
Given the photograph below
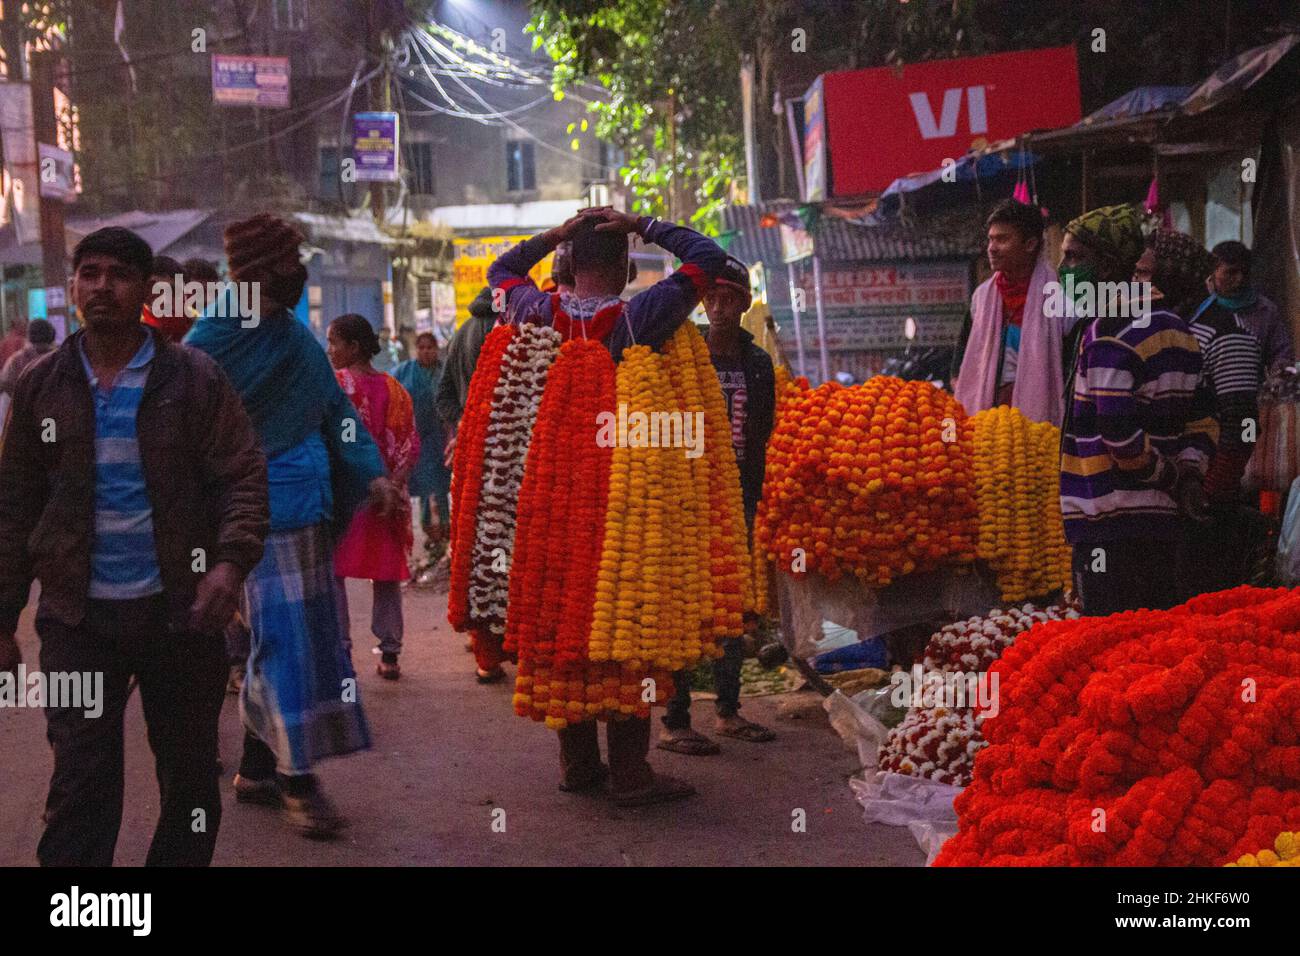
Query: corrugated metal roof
956, 236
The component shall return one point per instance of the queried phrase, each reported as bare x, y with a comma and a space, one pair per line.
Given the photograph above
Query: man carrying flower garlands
748, 381
594, 310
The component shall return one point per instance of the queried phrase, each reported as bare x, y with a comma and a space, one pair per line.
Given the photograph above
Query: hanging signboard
250, 80
814, 143
796, 243
473, 256
374, 147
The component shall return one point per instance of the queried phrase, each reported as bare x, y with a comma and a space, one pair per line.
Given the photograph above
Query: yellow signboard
473, 256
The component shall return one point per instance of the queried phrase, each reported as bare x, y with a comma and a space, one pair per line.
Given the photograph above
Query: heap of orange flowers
1151, 738
467, 473
873, 480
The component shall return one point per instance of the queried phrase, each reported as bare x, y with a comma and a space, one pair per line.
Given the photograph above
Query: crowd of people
1152, 371
193, 489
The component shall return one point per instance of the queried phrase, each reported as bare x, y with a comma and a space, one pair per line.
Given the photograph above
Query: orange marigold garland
1176, 728
467, 471
873, 480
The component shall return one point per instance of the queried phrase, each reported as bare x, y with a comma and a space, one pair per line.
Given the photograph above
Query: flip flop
750, 733
690, 743
665, 789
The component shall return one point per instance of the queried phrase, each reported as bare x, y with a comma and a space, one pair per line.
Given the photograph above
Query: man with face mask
321, 464
1129, 462
1231, 288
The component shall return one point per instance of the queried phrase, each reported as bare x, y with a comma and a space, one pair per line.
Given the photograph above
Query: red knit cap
253, 244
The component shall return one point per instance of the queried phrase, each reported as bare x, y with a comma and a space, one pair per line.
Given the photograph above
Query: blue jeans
726, 680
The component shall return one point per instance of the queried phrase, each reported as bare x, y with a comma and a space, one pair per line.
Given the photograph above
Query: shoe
313, 815
264, 793
388, 670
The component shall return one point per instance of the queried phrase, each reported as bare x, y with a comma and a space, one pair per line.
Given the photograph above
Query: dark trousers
726, 681
1116, 576
182, 679
1215, 555
628, 741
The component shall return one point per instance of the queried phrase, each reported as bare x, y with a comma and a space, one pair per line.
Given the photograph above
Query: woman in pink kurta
375, 547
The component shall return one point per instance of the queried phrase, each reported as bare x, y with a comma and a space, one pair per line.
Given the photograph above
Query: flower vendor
748, 381
1129, 461
594, 310
1011, 352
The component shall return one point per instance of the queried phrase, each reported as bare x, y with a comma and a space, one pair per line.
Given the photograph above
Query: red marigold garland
467, 471
1145, 738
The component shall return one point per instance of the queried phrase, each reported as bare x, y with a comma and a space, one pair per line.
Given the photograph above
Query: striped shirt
123, 557
1130, 419
1229, 390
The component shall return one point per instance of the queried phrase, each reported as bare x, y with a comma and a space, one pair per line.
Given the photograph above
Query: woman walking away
376, 544
300, 701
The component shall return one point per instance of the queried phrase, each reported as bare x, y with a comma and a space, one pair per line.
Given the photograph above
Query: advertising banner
885, 123
814, 143
374, 147
250, 80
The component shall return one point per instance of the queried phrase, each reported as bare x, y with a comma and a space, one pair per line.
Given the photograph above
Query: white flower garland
515, 401
940, 743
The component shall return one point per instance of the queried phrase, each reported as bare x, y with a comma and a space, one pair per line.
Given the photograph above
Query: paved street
448, 751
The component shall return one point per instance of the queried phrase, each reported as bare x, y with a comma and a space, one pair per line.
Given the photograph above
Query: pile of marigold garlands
1141, 739
874, 480
889, 477
1017, 477
627, 560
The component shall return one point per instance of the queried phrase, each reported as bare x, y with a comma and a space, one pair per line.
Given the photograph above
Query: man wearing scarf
1129, 462
1011, 353
1232, 290
299, 701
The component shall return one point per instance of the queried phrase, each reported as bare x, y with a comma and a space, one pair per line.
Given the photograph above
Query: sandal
664, 789
688, 742
748, 732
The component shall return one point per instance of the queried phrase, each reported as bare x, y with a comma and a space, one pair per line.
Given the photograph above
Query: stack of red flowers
1148, 738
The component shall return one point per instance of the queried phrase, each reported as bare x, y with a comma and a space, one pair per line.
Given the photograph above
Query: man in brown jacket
133, 488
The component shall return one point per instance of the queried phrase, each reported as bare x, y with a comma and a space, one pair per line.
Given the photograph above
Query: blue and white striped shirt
123, 557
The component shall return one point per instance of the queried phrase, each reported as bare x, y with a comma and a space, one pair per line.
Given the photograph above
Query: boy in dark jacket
748, 382
132, 487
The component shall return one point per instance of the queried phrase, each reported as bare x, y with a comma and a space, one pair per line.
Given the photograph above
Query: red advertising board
885, 123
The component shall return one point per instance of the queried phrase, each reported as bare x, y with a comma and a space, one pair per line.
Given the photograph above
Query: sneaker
313, 815
264, 793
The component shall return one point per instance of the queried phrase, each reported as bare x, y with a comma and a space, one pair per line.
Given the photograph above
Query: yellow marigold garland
1285, 852
1017, 466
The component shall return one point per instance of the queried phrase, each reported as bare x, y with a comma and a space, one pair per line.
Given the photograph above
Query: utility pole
53, 249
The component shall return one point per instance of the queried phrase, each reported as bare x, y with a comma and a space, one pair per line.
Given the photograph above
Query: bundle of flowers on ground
939, 739
1017, 478
627, 559
467, 471
515, 399
1284, 852
1141, 739
873, 480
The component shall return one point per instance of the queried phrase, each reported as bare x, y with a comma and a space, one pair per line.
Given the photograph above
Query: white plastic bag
1288, 539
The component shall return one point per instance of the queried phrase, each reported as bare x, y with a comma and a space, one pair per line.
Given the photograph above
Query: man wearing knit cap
299, 702
1128, 466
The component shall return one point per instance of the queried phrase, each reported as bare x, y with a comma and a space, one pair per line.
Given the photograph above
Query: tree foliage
660, 60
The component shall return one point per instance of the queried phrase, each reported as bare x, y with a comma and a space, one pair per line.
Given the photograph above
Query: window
520, 174
289, 14
418, 159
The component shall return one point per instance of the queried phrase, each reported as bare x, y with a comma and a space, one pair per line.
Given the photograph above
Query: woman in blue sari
431, 479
